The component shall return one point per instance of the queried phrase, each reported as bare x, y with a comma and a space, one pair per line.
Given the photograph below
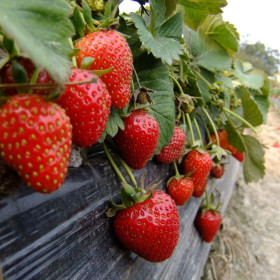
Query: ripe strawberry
109, 49
223, 138
217, 171
138, 141
88, 106
198, 165
208, 223
35, 140
151, 228
175, 149
7, 76
239, 156
180, 189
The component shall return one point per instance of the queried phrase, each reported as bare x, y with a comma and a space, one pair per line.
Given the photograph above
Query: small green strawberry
35, 140
109, 49
138, 141
88, 106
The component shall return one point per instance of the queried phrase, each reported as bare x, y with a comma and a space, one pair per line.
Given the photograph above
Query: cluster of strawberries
36, 137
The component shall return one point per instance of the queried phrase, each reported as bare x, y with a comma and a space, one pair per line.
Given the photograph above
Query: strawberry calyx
208, 204
129, 196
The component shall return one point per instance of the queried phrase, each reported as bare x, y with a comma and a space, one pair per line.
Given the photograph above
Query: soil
248, 244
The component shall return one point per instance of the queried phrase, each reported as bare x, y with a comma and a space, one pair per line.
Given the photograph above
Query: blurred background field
248, 245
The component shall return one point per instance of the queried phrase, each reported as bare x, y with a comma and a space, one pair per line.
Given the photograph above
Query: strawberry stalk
198, 130
115, 167
212, 125
177, 174
190, 128
238, 117
128, 170
182, 94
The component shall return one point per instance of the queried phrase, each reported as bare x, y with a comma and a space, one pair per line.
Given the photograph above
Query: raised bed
66, 235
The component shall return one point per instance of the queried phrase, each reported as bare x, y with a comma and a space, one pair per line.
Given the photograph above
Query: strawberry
198, 164
217, 171
88, 106
175, 149
109, 49
35, 140
180, 189
150, 228
138, 141
29, 67
208, 219
239, 156
223, 138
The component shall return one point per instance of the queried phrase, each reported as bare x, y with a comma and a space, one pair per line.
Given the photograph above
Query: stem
177, 174
202, 78
128, 171
74, 60
240, 118
212, 125
136, 76
46, 85
205, 126
117, 170
182, 94
190, 127
198, 130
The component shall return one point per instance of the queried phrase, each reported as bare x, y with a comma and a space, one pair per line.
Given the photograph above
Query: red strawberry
180, 189
138, 141
151, 228
88, 106
35, 140
217, 171
239, 156
7, 76
109, 49
223, 138
208, 223
198, 165
175, 149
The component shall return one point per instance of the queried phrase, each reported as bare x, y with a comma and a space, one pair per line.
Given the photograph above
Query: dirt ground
248, 245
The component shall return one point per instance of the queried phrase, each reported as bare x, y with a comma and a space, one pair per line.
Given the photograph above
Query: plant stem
212, 125
202, 78
177, 174
128, 171
182, 94
74, 60
240, 118
198, 130
190, 127
117, 170
136, 76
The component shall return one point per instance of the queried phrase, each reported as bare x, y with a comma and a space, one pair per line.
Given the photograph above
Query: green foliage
41, 30
185, 39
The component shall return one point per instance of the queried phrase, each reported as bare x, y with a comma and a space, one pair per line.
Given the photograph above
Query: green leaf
157, 14
235, 137
78, 22
223, 33
207, 53
114, 123
153, 74
248, 79
254, 168
251, 110
19, 73
195, 11
41, 29
170, 7
87, 14
165, 43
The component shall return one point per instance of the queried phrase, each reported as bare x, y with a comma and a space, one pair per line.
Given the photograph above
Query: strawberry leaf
153, 74
165, 43
207, 53
254, 168
41, 29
